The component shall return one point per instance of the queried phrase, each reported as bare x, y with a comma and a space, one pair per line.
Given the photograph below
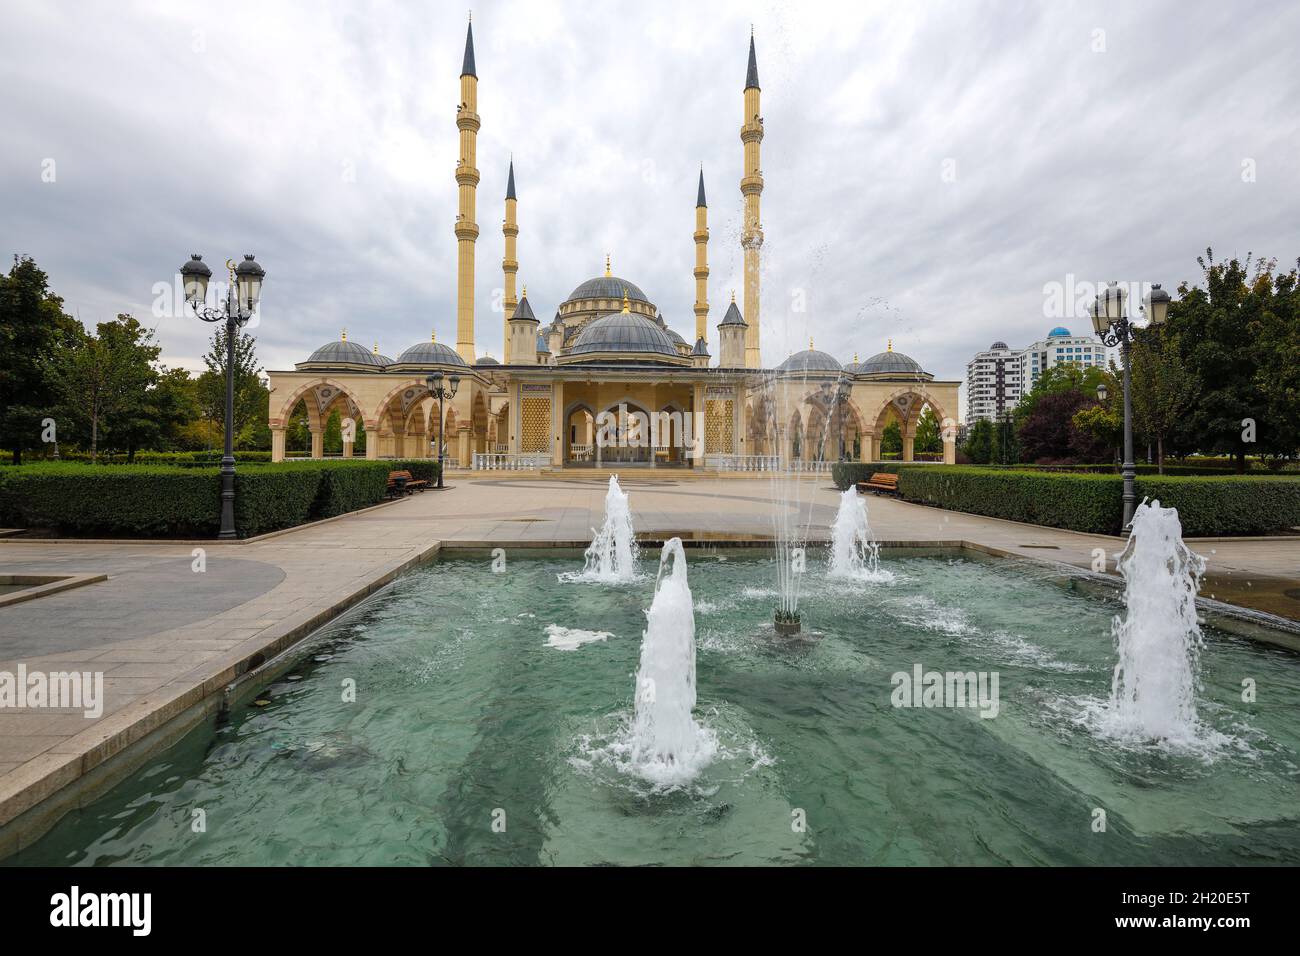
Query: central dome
890, 363
346, 353
429, 353
623, 332
607, 287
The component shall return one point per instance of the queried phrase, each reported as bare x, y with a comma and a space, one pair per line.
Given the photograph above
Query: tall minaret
751, 187
701, 264
467, 177
509, 265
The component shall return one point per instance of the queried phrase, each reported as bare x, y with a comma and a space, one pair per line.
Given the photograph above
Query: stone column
557, 424
866, 448
950, 448
372, 441
277, 443
464, 434
318, 444
909, 436
347, 449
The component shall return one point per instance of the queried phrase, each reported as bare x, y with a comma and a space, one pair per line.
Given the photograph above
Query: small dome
1060, 330
349, 353
623, 332
997, 345
486, 360
890, 363
809, 360
429, 353
607, 287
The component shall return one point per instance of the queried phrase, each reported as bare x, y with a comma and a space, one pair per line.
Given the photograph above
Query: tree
1219, 330
1277, 375
251, 394
891, 439
1049, 433
32, 325
927, 438
1162, 386
157, 418
101, 378
979, 442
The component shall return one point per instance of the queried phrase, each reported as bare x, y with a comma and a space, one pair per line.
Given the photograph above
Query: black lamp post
441, 392
242, 295
1111, 323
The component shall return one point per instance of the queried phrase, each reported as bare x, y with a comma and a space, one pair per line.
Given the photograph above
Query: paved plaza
167, 636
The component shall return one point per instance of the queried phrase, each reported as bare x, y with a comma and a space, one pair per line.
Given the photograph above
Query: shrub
161, 501
1079, 501
83, 499
1228, 505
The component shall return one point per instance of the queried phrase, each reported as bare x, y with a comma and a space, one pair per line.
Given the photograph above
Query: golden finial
810, 345
855, 358
733, 296
607, 272
433, 335
343, 336
376, 346
525, 290
625, 302
889, 345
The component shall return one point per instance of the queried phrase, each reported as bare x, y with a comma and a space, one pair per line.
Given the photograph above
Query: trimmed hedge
179, 459
1225, 505
158, 501
143, 501
851, 472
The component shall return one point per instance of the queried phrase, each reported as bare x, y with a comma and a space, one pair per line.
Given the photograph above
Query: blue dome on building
1057, 332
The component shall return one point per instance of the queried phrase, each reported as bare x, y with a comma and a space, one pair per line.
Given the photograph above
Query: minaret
751, 187
509, 265
701, 264
467, 121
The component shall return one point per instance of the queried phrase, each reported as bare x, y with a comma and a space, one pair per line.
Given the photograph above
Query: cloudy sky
930, 167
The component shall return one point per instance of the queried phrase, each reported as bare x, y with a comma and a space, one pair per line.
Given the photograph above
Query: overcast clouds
321, 136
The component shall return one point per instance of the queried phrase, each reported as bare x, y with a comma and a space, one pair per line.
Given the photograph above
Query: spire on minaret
467, 68
510, 183
751, 76
607, 272
701, 272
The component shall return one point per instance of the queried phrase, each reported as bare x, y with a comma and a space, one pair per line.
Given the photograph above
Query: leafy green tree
1163, 388
891, 439
979, 447
251, 393
1219, 329
32, 325
156, 418
928, 438
1277, 338
102, 378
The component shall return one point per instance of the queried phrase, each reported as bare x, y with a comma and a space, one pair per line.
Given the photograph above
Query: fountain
854, 552
667, 745
612, 554
1153, 693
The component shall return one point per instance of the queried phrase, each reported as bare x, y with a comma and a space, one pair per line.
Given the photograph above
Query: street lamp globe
1157, 304
1113, 298
433, 380
248, 279
194, 277
454, 382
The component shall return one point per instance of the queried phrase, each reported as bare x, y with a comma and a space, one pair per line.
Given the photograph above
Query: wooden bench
881, 481
402, 482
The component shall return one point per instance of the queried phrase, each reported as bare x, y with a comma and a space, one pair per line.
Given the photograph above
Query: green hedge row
1207, 506
160, 501
851, 472
180, 459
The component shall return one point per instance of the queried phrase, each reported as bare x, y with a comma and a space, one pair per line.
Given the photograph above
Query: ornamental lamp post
1111, 323
441, 392
242, 296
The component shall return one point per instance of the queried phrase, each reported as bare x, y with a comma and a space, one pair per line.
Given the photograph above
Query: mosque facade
607, 382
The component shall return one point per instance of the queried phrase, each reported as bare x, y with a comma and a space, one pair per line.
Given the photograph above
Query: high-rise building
1059, 347
994, 382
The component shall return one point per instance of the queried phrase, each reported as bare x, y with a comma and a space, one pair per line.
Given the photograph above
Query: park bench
402, 483
880, 481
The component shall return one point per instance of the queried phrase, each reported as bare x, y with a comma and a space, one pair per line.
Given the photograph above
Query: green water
466, 722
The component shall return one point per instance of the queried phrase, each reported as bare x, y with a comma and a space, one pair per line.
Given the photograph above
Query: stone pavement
167, 638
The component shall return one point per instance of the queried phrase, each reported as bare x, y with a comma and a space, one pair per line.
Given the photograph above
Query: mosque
607, 356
